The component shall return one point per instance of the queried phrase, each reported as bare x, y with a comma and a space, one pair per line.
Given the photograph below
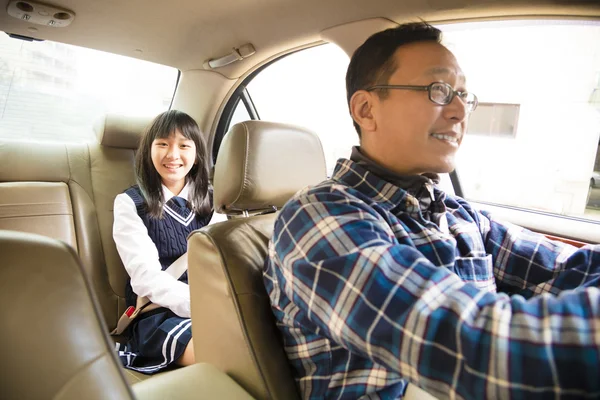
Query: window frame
175, 89
240, 94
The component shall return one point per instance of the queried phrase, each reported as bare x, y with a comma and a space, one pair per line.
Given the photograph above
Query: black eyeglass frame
428, 88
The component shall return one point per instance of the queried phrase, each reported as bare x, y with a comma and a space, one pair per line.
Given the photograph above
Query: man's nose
456, 110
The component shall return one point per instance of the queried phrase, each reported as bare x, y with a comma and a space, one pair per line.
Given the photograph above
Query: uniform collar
167, 194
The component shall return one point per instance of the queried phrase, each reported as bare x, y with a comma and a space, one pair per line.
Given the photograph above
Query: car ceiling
186, 33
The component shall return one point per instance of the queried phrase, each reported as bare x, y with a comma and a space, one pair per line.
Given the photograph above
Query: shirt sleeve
530, 264
351, 281
140, 258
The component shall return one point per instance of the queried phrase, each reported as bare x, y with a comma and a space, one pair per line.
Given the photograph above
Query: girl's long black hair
149, 180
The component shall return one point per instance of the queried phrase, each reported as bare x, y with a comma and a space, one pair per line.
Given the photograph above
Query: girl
151, 223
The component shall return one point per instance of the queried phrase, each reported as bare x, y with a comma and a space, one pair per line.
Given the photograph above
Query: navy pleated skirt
155, 341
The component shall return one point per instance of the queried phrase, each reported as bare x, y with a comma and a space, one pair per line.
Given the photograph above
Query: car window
55, 92
533, 142
307, 88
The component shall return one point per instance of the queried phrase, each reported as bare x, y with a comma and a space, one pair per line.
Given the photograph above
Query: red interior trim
575, 243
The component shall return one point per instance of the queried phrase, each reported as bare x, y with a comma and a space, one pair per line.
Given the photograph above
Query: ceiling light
41, 14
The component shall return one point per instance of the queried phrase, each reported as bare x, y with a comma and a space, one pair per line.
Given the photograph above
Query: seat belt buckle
130, 310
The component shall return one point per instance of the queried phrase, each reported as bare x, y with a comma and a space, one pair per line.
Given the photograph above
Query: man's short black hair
373, 62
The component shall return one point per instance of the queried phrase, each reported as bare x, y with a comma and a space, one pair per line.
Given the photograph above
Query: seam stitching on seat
245, 169
68, 162
87, 147
70, 179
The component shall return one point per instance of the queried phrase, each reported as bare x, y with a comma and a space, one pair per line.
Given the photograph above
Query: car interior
63, 283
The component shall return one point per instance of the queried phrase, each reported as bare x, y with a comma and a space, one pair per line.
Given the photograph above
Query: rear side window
55, 92
307, 88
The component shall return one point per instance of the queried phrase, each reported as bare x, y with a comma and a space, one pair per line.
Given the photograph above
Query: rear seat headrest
121, 131
262, 164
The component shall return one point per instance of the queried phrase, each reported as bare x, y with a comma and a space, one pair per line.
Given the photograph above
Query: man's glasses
439, 93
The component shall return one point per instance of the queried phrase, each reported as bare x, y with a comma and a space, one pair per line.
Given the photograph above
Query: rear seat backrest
34, 195
37, 190
67, 192
112, 171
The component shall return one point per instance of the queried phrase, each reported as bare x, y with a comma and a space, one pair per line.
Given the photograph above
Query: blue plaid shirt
369, 296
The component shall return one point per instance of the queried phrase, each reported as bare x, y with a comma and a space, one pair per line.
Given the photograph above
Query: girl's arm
140, 258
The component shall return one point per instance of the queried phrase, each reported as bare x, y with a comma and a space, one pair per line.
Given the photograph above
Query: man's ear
361, 104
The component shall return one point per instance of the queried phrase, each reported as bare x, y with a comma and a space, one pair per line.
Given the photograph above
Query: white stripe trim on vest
179, 218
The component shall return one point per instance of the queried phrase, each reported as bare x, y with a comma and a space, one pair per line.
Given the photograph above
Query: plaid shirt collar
388, 195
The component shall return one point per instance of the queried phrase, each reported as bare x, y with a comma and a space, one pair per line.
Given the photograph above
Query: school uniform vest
169, 233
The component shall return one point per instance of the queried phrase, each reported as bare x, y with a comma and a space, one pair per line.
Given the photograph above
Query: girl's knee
188, 357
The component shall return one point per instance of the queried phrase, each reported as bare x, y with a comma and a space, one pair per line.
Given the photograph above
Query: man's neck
377, 161
409, 182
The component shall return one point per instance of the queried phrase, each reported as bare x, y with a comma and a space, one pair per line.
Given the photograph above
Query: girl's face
173, 157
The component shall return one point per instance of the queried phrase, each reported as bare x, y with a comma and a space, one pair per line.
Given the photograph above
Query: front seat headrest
261, 165
121, 131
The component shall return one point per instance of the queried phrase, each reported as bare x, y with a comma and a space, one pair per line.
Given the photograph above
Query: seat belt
143, 304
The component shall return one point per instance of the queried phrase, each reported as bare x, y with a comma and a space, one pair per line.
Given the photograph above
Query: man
377, 278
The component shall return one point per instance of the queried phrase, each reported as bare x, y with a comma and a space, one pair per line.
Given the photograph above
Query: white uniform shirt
140, 257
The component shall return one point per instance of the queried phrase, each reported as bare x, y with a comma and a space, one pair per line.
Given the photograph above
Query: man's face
410, 134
